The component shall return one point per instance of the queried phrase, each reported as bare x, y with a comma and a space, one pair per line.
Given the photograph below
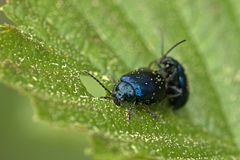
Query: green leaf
219, 47
55, 41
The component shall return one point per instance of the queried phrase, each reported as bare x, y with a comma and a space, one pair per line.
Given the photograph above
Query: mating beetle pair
147, 86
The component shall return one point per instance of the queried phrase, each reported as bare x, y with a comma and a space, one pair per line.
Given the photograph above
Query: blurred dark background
22, 137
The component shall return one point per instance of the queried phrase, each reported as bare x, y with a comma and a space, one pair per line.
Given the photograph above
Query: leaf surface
55, 41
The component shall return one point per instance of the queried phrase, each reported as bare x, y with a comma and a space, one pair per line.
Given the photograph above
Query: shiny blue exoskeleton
142, 86
175, 77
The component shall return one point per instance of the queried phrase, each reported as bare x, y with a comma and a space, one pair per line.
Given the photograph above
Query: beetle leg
105, 97
171, 77
177, 92
153, 62
152, 114
130, 112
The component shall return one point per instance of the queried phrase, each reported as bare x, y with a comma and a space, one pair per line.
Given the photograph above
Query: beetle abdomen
149, 86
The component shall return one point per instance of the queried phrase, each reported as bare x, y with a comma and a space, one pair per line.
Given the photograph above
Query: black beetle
175, 77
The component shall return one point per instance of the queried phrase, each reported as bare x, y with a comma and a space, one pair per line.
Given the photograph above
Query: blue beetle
141, 86
175, 77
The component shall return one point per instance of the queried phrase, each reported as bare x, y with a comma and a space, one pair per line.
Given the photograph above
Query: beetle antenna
101, 84
174, 46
